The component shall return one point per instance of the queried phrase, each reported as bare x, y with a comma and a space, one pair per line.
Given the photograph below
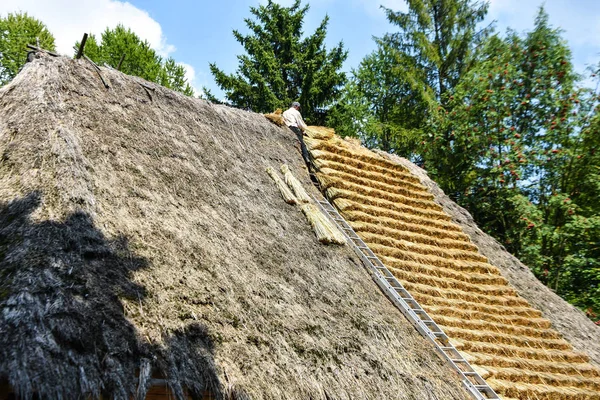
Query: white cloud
68, 20
190, 76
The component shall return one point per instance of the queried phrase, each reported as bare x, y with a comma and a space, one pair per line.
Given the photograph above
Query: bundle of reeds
276, 117
319, 132
295, 185
286, 193
324, 229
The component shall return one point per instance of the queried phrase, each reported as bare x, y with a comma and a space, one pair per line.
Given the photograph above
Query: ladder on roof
405, 302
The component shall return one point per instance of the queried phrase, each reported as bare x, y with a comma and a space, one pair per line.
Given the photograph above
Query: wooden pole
81, 46
121, 62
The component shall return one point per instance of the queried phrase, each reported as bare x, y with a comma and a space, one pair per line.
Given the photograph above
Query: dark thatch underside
140, 235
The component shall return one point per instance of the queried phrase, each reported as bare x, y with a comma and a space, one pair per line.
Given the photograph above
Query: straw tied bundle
324, 229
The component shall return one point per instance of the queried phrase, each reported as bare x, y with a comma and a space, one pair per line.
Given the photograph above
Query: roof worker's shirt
292, 117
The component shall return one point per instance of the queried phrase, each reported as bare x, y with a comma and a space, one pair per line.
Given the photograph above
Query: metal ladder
405, 302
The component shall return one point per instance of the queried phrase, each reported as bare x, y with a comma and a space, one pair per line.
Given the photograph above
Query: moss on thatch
140, 236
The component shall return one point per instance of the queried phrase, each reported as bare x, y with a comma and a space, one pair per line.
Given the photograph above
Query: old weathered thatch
425, 240
142, 242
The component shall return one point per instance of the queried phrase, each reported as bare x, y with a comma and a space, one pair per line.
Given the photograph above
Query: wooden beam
81, 46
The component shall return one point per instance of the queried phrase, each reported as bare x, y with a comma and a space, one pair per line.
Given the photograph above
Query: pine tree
281, 66
16, 32
140, 59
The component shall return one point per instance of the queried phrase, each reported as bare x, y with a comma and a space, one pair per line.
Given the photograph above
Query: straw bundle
276, 117
295, 185
319, 132
324, 229
286, 193
312, 143
339, 147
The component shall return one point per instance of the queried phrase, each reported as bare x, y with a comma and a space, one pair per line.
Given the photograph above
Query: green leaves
281, 65
16, 32
139, 58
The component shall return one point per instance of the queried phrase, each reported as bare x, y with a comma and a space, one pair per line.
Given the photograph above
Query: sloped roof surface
512, 345
140, 235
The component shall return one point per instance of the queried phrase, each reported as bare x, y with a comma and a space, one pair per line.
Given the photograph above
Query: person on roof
293, 120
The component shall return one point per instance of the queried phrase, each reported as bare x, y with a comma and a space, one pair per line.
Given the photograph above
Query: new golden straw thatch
326, 232
286, 193
295, 185
501, 334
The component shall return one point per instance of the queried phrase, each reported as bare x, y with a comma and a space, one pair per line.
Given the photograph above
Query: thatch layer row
520, 390
416, 237
491, 326
328, 181
490, 315
327, 160
369, 181
407, 242
347, 205
542, 378
360, 159
449, 283
472, 277
574, 369
335, 193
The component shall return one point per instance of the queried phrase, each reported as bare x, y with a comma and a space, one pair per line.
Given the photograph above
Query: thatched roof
141, 237
420, 235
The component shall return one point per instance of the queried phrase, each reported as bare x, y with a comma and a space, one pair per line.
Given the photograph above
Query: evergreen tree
16, 32
281, 66
140, 59
530, 140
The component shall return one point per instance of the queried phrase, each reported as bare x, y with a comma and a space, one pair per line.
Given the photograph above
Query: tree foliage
16, 32
281, 65
140, 59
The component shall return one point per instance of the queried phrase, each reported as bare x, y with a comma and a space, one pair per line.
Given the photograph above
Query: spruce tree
16, 32
281, 65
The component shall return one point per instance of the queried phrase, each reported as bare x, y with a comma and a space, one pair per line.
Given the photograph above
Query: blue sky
198, 32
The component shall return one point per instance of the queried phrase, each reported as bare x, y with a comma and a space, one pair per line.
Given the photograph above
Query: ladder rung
458, 360
469, 373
